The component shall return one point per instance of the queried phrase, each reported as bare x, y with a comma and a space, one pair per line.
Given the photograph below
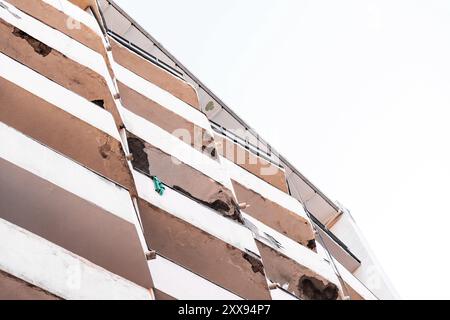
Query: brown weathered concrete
84, 4
275, 216
154, 74
250, 162
353, 294
13, 288
182, 177
167, 120
159, 295
49, 62
63, 132
61, 22
202, 253
301, 281
73, 223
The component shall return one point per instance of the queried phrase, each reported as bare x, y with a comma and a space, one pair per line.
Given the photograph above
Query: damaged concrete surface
39, 47
99, 102
156, 75
209, 146
49, 62
13, 288
295, 278
314, 289
171, 122
275, 216
219, 202
311, 244
255, 262
224, 203
181, 177
140, 157
64, 133
60, 21
202, 253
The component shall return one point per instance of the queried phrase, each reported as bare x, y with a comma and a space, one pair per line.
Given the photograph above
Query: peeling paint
140, 158
180, 177
302, 281
257, 265
38, 46
105, 150
313, 289
217, 204
100, 103
225, 204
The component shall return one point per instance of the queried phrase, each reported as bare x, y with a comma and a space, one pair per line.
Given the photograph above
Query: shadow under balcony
33, 268
52, 196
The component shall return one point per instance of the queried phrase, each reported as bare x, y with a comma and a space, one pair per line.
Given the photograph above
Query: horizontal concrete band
49, 267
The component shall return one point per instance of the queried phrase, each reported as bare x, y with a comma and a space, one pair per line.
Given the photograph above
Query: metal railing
244, 143
131, 46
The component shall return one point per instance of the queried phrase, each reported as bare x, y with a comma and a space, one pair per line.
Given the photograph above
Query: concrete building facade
122, 176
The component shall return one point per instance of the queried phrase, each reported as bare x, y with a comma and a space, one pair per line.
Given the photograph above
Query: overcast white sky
355, 93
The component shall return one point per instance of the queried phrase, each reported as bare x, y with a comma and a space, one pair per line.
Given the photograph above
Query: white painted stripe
57, 95
162, 97
76, 13
58, 271
65, 173
196, 214
182, 284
